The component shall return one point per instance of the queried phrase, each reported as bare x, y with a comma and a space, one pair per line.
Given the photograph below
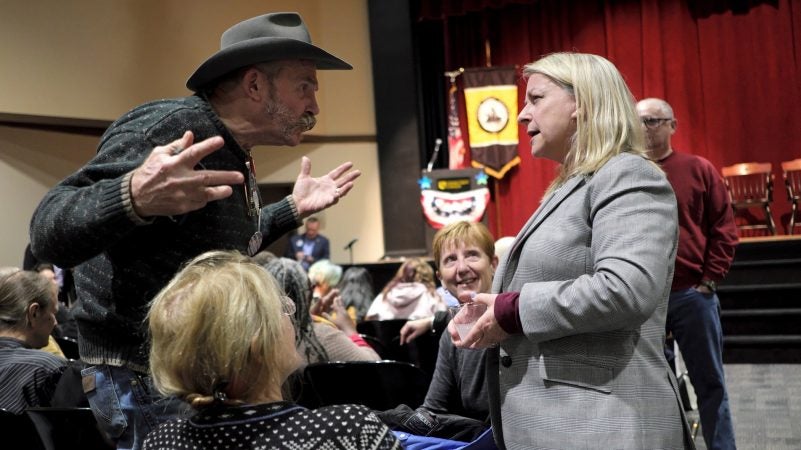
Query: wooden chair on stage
791, 171
750, 185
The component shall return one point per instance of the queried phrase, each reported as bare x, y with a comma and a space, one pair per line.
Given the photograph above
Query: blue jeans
694, 319
126, 405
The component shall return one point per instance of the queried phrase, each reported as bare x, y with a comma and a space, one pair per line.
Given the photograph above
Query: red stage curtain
730, 69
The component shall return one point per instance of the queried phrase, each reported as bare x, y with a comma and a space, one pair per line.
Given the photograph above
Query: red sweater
707, 232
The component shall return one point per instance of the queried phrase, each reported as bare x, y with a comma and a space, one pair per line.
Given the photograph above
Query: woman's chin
466, 291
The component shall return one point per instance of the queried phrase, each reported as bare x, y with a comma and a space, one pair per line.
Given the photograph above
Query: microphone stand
349, 248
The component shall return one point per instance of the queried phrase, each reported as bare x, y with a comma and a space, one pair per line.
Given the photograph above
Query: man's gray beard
280, 113
308, 120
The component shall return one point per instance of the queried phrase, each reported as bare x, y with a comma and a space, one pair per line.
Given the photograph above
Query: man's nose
313, 108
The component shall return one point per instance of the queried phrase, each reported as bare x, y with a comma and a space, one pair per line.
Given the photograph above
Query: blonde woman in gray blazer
577, 318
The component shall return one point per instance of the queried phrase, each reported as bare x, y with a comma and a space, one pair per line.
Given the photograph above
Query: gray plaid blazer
593, 267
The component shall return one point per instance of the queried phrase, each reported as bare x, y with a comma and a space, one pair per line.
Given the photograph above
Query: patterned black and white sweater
279, 425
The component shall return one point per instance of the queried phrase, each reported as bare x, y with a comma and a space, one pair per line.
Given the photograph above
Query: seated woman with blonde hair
222, 339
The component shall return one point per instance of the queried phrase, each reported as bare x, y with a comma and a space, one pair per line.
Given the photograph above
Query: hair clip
219, 392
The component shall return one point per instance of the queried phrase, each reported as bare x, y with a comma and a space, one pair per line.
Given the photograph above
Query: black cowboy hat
264, 38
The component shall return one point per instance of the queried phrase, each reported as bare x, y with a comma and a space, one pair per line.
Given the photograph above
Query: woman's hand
333, 310
321, 305
486, 332
414, 328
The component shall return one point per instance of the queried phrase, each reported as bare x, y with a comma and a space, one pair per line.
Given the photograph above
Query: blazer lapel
547, 207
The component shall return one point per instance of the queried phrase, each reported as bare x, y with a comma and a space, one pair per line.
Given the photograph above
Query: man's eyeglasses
287, 306
654, 122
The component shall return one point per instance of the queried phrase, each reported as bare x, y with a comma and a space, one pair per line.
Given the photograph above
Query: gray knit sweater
120, 264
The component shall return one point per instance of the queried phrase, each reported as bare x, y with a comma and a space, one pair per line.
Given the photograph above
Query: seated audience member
439, 322
503, 245
411, 294
324, 276
66, 327
232, 315
465, 256
356, 290
263, 257
320, 335
28, 376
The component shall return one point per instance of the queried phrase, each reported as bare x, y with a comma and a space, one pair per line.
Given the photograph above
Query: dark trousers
694, 320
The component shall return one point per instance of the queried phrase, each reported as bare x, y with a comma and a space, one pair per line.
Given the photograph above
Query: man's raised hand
167, 183
315, 194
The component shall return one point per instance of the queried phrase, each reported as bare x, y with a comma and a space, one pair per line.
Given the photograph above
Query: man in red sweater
707, 237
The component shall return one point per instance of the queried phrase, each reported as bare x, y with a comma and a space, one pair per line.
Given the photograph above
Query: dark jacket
120, 264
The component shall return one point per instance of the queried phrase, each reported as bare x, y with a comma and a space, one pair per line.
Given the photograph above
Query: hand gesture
167, 183
333, 310
486, 332
322, 304
315, 194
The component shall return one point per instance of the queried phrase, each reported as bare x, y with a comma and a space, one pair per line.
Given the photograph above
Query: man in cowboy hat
171, 180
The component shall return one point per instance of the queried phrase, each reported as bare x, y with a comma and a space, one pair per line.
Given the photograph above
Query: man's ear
251, 84
34, 312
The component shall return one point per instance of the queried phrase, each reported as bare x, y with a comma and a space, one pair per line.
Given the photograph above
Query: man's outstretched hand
315, 194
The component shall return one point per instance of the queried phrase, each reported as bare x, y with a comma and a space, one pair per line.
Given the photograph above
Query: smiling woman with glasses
223, 340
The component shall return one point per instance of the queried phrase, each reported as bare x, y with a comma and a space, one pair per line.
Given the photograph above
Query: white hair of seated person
503, 245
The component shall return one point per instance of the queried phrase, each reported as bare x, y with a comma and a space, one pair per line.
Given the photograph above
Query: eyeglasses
654, 122
287, 306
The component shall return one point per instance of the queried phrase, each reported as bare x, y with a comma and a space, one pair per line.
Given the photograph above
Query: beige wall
30, 163
95, 59
356, 216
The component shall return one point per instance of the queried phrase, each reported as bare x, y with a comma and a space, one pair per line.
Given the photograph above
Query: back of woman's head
218, 320
463, 233
18, 290
413, 270
292, 279
356, 289
324, 272
607, 122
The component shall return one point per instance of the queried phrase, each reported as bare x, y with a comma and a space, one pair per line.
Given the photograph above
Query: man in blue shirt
309, 247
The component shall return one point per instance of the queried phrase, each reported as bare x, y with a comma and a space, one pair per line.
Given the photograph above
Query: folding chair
421, 351
379, 385
18, 433
791, 172
67, 428
750, 185
69, 347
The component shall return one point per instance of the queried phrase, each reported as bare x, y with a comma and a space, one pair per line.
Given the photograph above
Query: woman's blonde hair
607, 123
469, 233
218, 319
